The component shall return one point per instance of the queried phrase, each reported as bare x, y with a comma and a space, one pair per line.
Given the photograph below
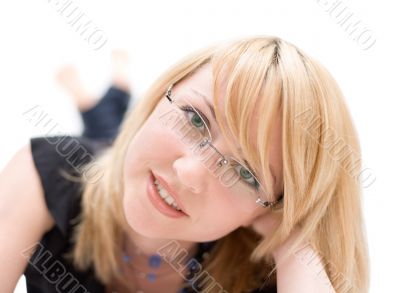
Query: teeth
166, 197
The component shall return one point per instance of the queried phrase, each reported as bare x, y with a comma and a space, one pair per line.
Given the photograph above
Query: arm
302, 272
24, 217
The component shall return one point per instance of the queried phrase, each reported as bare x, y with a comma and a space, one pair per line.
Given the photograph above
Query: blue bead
151, 277
154, 261
126, 258
193, 267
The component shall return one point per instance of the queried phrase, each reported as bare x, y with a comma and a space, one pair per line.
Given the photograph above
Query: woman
226, 177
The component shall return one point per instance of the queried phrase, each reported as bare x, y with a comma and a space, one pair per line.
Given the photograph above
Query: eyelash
187, 109
254, 185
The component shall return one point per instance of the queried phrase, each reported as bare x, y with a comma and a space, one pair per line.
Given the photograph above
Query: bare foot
68, 77
120, 67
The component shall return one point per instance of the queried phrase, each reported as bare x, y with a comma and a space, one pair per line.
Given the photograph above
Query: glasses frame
223, 160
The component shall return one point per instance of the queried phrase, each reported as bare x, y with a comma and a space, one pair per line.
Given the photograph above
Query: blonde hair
321, 187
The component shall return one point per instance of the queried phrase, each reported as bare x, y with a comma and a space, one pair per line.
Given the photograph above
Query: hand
267, 224
290, 272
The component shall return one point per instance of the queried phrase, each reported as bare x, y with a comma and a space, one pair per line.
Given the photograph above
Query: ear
248, 223
251, 221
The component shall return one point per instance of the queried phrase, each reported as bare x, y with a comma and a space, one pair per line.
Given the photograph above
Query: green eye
247, 176
197, 121
245, 173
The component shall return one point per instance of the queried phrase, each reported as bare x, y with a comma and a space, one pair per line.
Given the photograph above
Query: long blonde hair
320, 155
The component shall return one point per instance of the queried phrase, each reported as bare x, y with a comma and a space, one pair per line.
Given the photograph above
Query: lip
170, 191
160, 204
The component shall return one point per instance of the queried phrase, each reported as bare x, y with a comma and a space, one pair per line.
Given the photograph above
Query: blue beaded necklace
154, 262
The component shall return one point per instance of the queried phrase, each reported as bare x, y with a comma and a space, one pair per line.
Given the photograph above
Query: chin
140, 219
141, 226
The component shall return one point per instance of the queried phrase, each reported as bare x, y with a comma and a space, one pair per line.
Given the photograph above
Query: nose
192, 173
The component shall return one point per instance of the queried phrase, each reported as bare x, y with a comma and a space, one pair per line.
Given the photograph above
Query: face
211, 209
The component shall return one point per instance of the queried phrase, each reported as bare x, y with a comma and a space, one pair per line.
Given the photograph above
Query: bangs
247, 99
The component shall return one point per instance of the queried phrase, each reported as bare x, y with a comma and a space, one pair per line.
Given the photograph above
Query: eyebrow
213, 114
270, 168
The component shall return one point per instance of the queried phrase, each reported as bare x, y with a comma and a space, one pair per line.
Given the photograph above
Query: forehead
199, 86
200, 82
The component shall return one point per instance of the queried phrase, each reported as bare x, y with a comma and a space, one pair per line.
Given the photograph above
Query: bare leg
120, 67
101, 117
68, 77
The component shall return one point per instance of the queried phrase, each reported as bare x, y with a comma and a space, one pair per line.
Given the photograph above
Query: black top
48, 269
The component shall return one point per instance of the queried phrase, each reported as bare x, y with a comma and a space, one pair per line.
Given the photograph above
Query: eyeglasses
194, 130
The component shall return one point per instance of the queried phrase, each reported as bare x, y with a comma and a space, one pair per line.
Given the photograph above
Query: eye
195, 119
247, 176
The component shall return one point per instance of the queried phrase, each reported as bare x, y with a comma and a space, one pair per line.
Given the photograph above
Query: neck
150, 246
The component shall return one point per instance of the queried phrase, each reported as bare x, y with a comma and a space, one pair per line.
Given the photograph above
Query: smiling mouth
161, 191
166, 196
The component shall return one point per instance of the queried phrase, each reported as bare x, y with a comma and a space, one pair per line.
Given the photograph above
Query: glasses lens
200, 136
243, 176
192, 126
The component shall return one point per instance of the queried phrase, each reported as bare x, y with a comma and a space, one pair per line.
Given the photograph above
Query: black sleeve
54, 157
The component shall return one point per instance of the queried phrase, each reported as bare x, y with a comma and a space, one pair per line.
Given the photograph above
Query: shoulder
69, 150
59, 161
57, 155
24, 217
20, 186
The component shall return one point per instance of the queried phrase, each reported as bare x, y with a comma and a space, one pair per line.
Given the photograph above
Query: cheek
221, 221
222, 214
148, 147
231, 209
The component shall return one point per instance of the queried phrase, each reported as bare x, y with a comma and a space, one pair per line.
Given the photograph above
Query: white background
36, 40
